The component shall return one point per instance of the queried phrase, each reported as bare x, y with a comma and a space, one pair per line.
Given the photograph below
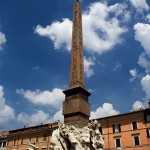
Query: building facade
3, 140
130, 131
35, 137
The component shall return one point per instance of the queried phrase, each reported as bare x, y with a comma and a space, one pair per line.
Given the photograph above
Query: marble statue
33, 147
71, 138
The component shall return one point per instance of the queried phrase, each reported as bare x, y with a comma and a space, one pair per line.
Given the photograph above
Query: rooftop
35, 128
129, 113
4, 134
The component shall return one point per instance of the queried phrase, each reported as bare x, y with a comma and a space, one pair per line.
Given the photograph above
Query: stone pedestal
76, 109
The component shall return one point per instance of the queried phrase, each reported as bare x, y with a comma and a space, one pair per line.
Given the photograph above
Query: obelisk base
76, 109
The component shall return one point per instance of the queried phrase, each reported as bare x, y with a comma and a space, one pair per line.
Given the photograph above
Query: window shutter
118, 142
119, 127
0, 144
136, 140
148, 132
134, 125
101, 130
113, 129
145, 118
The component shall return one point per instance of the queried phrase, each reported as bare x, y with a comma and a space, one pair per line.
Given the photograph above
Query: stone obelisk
76, 109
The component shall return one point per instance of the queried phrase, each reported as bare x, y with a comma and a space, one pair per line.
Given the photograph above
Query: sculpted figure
71, 138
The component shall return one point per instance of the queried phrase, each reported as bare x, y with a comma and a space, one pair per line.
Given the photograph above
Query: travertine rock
71, 138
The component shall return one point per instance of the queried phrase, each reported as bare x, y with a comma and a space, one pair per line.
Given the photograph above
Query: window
37, 139
101, 130
148, 132
136, 140
0, 144
118, 142
21, 140
4, 144
148, 118
134, 125
44, 137
116, 128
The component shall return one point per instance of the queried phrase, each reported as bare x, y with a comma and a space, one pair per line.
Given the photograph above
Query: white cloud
144, 61
37, 118
58, 32
53, 98
145, 82
104, 111
2, 39
142, 35
102, 32
6, 112
140, 5
91, 90
133, 73
99, 36
137, 105
117, 66
58, 116
148, 17
88, 64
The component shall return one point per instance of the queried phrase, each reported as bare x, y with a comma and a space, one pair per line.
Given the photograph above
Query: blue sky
35, 39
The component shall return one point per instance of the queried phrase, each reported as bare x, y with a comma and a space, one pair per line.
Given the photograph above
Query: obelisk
76, 109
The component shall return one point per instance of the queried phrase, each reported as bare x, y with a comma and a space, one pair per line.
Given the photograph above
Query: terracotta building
130, 131
3, 140
35, 137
